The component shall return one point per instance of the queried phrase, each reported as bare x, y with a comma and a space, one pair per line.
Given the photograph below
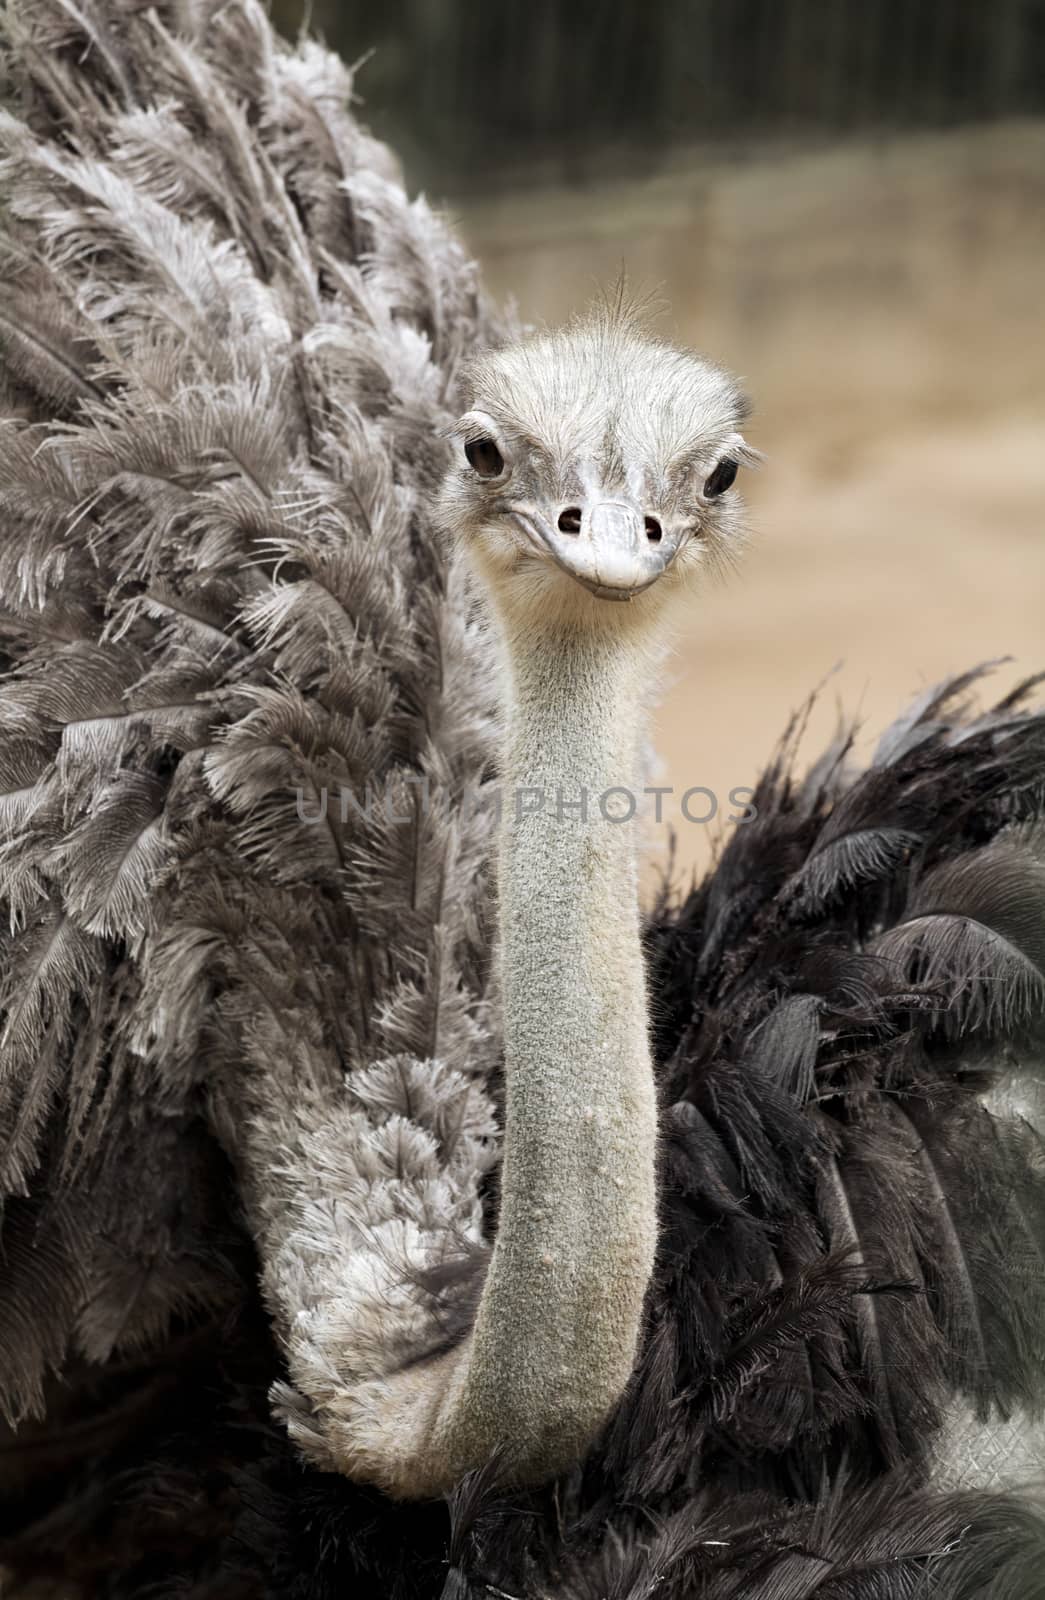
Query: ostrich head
595, 464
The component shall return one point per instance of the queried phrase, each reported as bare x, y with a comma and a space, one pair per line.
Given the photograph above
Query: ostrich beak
607, 546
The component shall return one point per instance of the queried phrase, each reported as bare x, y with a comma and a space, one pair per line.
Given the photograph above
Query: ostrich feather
984, 1259
45, 357
51, 975
863, 1217
976, 928
851, 860
45, 1282
108, 863
929, 715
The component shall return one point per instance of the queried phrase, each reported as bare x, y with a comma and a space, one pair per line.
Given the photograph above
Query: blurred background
844, 201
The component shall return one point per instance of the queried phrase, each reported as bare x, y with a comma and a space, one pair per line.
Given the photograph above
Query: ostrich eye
484, 458
723, 478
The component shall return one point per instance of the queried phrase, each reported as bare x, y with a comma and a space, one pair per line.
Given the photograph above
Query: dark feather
975, 932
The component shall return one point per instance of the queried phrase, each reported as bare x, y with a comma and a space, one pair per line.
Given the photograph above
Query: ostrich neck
555, 1333
555, 1336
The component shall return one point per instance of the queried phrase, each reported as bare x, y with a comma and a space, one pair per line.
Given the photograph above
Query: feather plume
975, 929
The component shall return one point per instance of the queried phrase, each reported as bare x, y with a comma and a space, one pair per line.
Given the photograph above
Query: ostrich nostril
654, 531
570, 520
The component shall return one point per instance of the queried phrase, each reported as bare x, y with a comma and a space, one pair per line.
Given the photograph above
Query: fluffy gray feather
232, 344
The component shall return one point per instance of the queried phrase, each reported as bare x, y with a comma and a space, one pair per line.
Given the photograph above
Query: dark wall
554, 87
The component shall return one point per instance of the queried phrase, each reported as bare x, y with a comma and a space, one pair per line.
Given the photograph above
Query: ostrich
391, 1207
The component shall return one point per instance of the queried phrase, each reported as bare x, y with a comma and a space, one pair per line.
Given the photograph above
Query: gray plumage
222, 601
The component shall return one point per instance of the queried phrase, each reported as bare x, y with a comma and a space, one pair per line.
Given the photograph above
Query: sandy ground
884, 305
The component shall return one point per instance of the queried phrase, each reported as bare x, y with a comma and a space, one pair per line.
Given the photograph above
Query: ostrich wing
902, 1008
243, 902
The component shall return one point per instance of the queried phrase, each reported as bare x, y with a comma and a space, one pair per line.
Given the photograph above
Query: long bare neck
577, 1229
555, 1337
